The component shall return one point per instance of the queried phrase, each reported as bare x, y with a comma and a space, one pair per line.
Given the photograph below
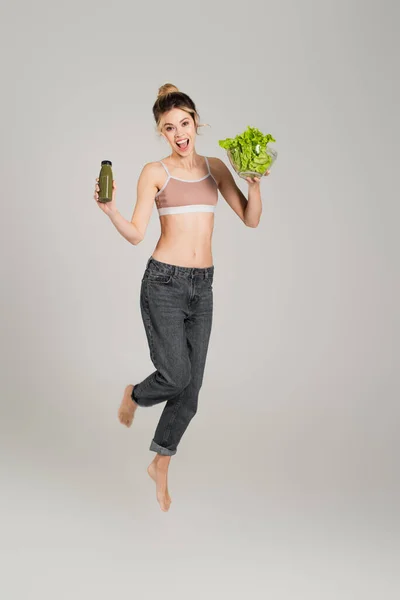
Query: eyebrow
184, 119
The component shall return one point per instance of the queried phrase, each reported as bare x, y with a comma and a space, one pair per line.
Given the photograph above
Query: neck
189, 162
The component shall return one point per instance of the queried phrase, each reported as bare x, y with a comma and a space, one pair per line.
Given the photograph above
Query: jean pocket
163, 278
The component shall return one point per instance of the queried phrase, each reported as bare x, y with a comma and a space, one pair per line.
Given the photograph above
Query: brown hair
170, 97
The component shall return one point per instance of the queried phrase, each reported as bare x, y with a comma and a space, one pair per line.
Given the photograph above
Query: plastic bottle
105, 181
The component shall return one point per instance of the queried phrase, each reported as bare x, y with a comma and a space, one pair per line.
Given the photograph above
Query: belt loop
175, 271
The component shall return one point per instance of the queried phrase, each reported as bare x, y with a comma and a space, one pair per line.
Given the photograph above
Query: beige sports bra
184, 196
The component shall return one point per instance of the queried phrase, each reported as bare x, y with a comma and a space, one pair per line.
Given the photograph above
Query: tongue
183, 146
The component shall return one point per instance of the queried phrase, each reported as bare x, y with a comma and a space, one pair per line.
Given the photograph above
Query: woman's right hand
107, 207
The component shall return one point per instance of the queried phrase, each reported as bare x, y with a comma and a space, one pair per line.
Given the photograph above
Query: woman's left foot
128, 406
158, 471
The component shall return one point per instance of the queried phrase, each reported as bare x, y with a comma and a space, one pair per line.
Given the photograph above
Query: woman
176, 296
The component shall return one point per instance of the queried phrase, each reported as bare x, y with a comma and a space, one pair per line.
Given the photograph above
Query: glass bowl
272, 153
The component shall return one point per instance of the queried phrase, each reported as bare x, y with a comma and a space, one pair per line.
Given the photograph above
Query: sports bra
184, 196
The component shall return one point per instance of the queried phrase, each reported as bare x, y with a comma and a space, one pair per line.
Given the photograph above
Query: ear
196, 123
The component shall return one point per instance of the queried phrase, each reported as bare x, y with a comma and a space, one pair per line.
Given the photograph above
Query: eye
168, 128
186, 123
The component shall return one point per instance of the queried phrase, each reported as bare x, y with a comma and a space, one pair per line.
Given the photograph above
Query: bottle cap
106, 162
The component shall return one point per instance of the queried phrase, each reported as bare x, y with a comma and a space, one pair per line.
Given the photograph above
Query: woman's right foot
127, 408
158, 471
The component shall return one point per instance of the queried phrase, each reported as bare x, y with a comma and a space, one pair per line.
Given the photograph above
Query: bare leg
127, 408
158, 471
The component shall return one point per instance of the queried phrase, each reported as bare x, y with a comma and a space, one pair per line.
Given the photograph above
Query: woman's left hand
256, 180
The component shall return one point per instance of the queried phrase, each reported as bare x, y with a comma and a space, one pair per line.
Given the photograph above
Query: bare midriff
186, 240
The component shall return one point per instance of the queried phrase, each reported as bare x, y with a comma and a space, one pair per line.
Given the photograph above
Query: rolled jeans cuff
134, 397
160, 449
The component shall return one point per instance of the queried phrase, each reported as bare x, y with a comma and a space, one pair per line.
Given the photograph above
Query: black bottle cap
106, 162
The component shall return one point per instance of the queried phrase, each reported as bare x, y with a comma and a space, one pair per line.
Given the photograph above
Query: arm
134, 231
248, 210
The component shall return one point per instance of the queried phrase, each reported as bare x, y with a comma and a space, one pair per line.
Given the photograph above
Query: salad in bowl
249, 153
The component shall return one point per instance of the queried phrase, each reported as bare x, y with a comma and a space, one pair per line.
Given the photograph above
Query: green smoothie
105, 181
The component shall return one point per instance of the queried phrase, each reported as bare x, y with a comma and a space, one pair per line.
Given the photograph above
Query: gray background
286, 483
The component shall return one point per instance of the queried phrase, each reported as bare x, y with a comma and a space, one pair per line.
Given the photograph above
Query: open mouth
183, 144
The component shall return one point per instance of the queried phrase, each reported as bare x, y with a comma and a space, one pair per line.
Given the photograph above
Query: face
178, 128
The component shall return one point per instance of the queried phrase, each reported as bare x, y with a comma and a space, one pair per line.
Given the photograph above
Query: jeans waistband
182, 271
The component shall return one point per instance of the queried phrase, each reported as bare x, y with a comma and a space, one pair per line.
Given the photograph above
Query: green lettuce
248, 150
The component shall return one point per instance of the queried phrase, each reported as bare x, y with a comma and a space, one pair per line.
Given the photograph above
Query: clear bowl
272, 153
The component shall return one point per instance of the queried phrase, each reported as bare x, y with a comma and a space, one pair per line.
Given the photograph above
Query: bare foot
158, 471
128, 406
151, 469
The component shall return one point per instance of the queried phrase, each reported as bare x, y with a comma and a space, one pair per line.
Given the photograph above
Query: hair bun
167, 88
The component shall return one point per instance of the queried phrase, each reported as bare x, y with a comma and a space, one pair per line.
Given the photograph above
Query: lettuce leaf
248, 150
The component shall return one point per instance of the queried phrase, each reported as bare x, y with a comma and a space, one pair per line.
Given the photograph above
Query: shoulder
218, 168
152, 177
152, 172
215, 163
152, 168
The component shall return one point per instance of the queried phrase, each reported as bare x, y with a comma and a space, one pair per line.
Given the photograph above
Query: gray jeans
177, 307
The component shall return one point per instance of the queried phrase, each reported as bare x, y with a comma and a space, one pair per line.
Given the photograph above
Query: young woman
176, 296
